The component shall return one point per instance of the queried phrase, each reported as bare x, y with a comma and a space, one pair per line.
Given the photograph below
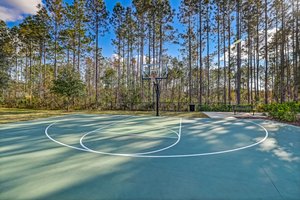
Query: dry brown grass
8, 115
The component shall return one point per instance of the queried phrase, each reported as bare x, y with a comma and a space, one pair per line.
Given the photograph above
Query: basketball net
153, 78
153, 75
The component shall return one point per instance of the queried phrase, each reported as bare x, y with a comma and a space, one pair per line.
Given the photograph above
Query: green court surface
138, 157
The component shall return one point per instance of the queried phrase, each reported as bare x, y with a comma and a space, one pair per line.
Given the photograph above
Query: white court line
140, 135
73, 147
180, 127
134, 154
90, 150
213, 153
177, 155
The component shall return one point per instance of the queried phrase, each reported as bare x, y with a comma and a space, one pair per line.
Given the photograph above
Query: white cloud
244, 56
12, 10
115, 57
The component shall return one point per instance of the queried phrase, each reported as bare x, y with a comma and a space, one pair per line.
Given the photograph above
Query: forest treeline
231, 52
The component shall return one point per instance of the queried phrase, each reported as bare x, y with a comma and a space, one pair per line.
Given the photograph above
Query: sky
13, 11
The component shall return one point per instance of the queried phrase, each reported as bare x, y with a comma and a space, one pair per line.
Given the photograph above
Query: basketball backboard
150, 71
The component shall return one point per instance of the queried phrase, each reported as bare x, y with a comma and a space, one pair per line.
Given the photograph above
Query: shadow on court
34, 167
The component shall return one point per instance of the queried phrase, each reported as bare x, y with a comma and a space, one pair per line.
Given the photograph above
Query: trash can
192, 107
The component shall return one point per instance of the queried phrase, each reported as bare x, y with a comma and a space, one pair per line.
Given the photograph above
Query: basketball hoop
155, 73
154, 70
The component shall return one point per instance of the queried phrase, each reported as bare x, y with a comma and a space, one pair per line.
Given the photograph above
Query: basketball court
140, 157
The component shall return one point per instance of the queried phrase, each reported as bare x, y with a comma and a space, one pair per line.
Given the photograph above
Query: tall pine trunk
257, 95
297, 54
238, 74
218, 78
266, 52
55, 49
200, 53
142, 52
224, 54
229, 58
190, 60
207, 48
282, 59
96, 62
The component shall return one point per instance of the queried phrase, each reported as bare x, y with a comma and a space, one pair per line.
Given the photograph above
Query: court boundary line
175, 155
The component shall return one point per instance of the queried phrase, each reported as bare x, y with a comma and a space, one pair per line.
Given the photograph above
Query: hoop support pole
157, 98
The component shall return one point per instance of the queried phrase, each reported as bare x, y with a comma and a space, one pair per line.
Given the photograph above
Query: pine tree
266, 50
30, 36
55, 8
117, 21
43, 19
208, 30
98, 16
6, 51
187, 10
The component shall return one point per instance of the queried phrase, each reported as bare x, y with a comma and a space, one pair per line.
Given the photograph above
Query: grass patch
185, 114
8, 115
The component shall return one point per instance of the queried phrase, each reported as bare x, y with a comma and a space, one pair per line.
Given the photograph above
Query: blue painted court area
139, 157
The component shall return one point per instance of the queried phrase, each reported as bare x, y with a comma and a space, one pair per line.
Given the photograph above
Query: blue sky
12, 11
108, 50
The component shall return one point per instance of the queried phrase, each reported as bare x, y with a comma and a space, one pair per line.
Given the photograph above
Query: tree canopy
229, 52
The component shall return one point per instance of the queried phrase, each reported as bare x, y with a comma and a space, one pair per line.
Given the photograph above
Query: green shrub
261, 107
284, 112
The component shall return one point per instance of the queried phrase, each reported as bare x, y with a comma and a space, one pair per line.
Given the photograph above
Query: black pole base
157, 98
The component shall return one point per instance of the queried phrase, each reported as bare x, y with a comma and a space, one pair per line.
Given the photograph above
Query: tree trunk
40, 68
74, 51
190, 61
266, 52
229, 59
200, 53
96, 62
297, 54
282, 60
208, 64
30, 73
55, 49
276, 57
238, 74
44, 63
218, 78
248, 64
119, 68
224, 52
78, 51
149, 60
142, 52
257, 96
